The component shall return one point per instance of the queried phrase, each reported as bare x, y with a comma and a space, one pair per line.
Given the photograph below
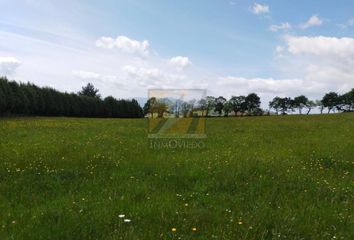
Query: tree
252, 103
238, 104
275, 104
31, 94
310, 105
148, 105
300, 102
348, 100
227, 108
28, 99
210, 104
192, 103
110, 105
136, 110
2, 100
342, 103
330, 101
186, 109
202, 103
89, 91
286, 104
176, 107
219, 104
282, 104
319, 104
6, 96
160, 107
21, 102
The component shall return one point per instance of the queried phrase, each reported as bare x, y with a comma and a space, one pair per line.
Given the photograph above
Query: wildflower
127, 220
174, 229
121, 215
239, 223
194, 229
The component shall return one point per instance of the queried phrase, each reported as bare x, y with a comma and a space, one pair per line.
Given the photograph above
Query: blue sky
228, 47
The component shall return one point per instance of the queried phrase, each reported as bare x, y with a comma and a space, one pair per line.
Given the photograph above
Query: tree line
29, 99
248, 105
331, 101
205, 107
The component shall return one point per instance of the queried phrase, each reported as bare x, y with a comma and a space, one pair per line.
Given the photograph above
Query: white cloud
8, 65
125, 44
313, 21
66, 62
97, 78
321, 46
180, 62
260, 8
325, 63
268, 88
86, 75
320, 64
279, 50
153, 77
282, 26
261, 85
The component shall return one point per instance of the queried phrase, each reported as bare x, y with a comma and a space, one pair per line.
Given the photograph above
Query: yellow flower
194, 229
240, 223
174, 229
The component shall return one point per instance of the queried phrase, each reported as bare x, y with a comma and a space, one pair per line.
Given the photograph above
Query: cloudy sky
229, 47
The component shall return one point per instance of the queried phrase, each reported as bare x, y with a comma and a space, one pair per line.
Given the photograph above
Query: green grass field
281, 177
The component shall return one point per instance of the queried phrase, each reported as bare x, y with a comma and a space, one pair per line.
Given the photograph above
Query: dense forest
27, 99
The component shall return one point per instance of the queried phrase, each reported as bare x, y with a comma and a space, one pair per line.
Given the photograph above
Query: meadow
272, 177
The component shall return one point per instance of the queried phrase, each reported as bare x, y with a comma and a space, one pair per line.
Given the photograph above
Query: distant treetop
89, 91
